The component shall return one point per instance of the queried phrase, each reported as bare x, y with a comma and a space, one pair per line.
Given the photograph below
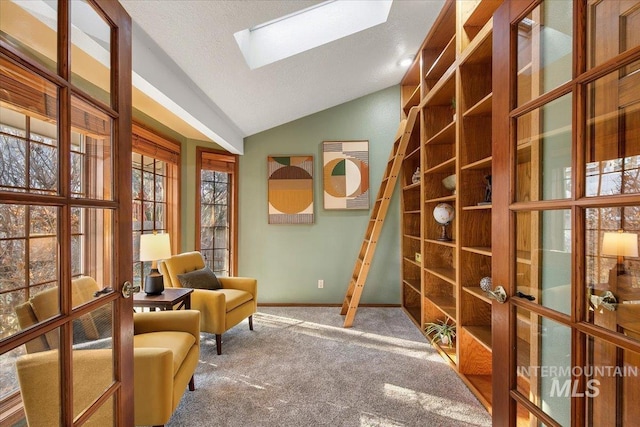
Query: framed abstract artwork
345, 171
290, 181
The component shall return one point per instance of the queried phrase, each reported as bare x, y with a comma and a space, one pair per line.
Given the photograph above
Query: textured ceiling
198, 37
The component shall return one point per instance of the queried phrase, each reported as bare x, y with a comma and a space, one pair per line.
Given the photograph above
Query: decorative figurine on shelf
450, 183
444, 214
487, 192
415, 178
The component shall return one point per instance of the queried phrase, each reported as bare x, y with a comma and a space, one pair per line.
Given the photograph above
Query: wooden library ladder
376, 221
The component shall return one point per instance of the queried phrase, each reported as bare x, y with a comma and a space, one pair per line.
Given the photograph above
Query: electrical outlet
320, 283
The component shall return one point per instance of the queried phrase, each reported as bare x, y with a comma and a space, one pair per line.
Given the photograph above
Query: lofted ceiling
197, 64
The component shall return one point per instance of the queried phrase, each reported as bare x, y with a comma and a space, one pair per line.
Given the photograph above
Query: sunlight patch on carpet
442, 406
352, 336
373, 420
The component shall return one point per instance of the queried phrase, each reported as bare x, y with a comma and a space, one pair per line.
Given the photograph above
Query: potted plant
441, 332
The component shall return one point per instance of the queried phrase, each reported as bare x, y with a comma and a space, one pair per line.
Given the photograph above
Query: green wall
188, 191
288, 260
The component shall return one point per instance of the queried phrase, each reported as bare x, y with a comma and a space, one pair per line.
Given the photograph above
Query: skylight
309, 28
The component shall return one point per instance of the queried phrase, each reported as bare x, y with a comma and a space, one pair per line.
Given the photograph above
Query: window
216, 234
155, 182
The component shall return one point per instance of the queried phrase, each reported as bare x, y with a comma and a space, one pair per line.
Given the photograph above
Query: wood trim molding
142, 134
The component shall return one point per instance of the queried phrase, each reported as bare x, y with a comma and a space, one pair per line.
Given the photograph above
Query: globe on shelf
444, 214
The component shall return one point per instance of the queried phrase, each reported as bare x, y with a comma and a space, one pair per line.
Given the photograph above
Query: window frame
219, 161
150, 144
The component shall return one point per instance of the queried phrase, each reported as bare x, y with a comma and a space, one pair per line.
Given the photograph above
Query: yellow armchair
165, 356
220, 310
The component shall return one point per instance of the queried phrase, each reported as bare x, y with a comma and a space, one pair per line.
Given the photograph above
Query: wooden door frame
122, 102
503, 337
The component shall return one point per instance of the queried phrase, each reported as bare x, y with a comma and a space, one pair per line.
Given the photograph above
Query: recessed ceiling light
309, 28
406, 61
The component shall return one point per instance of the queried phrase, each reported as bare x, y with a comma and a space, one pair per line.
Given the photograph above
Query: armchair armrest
174, 320
248, 284
153, 385
212, 307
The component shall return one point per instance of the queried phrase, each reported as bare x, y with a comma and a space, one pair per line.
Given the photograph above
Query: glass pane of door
92, 151
613, 133
543, 364
545, 49
90, 51
93, 362
29, 370
28, 132
613, 268
613, 27
92, 251
612, 383
41, 18
544, 258
544, 152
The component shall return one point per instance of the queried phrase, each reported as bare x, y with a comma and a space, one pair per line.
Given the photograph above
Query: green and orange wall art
290, 181
345, 171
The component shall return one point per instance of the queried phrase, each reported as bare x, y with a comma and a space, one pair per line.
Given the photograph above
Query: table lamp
621, 245
154, 247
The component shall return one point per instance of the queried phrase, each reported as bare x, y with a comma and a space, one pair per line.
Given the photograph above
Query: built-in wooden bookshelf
452, 73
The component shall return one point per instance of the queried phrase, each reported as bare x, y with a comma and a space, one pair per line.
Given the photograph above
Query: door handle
607, 300
128, 289
498, 294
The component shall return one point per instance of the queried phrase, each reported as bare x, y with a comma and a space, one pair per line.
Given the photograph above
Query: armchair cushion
179, 343
200, 279
234, 298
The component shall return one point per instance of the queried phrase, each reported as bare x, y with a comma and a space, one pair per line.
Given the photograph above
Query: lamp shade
154, 247
620, 244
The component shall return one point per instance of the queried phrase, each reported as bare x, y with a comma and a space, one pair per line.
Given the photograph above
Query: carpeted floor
299, 367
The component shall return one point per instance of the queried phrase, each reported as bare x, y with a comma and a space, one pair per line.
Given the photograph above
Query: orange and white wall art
345, 169
290, 181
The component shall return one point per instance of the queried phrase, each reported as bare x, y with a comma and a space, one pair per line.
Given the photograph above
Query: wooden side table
167, 300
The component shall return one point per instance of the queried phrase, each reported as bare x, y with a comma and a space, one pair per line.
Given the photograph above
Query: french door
566, 204
65, 208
